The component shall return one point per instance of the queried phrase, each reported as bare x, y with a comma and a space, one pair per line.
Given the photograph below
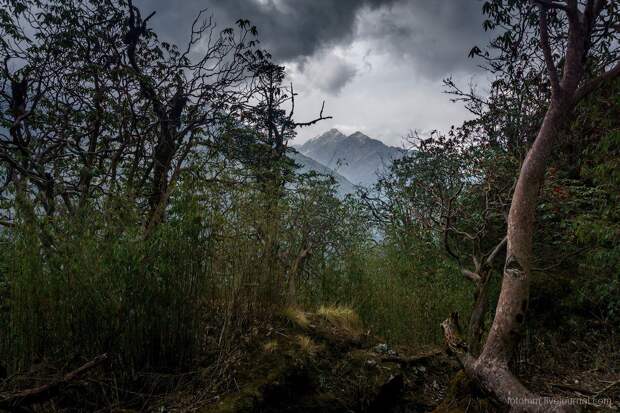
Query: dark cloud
340, 74
289, 29
378, 63
325, 71
435, 36
438, 31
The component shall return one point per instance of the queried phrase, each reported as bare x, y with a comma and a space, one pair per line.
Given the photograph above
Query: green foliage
597, 228
405, 295
102, 288
579, 212
202, 277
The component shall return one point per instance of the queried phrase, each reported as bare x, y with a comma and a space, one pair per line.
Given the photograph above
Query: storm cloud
436, 32
434, 36
289, 29
379, 64
325, 70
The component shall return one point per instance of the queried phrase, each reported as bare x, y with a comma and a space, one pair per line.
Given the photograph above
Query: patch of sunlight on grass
342, 317
297, 317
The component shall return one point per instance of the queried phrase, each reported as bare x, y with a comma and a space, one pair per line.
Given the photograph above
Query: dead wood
17, 401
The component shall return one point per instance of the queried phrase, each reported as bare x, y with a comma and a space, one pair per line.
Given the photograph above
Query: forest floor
328, 362
577, 364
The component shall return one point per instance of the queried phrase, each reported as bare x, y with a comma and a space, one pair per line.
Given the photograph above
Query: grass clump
341, 317
297, 317
307, 346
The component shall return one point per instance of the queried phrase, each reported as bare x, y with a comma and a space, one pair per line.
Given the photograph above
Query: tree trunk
490, 369
162, 159
294, 273
476, 321
513, 299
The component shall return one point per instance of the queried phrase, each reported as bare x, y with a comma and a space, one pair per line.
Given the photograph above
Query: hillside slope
307, 164
357, 157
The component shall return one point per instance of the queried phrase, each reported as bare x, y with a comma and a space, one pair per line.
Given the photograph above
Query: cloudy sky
378, 64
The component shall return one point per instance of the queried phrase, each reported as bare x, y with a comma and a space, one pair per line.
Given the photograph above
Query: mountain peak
331, 134
359, 136
357, 157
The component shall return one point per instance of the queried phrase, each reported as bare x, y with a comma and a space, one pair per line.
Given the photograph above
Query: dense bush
202, 278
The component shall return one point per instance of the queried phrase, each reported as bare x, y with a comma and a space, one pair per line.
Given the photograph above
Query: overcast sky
378, 64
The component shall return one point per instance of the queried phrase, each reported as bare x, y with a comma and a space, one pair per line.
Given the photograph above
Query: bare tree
99, 104
268, 125
188, 96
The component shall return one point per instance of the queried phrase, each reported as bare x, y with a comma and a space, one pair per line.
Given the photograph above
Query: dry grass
341, 317
297, 317
270, 346
307, 345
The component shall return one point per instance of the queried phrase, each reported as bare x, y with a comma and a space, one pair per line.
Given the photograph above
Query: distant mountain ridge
357, 157
307, 164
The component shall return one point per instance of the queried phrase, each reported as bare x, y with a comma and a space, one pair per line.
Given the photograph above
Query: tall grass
401, 295
101, 286
97, 290
195, 284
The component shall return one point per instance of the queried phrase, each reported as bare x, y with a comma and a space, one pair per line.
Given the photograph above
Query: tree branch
45, 392
475, 278
454, 341
6, 223
496, 251
591, 85
546, 48
312, 122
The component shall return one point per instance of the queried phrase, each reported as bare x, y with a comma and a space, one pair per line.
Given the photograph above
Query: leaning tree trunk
492, 365
490, 370
481, 278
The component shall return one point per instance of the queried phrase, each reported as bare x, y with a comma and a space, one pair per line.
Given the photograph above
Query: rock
382, 348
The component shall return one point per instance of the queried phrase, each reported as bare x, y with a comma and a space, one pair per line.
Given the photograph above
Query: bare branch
454, 341
546, 48
470, 275
26, 397
5, 223
316, 120
496, 251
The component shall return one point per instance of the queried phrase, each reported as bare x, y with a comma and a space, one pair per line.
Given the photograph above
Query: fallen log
17, 401
417, 359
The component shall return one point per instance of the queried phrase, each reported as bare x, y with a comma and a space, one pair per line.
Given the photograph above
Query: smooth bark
490, 370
